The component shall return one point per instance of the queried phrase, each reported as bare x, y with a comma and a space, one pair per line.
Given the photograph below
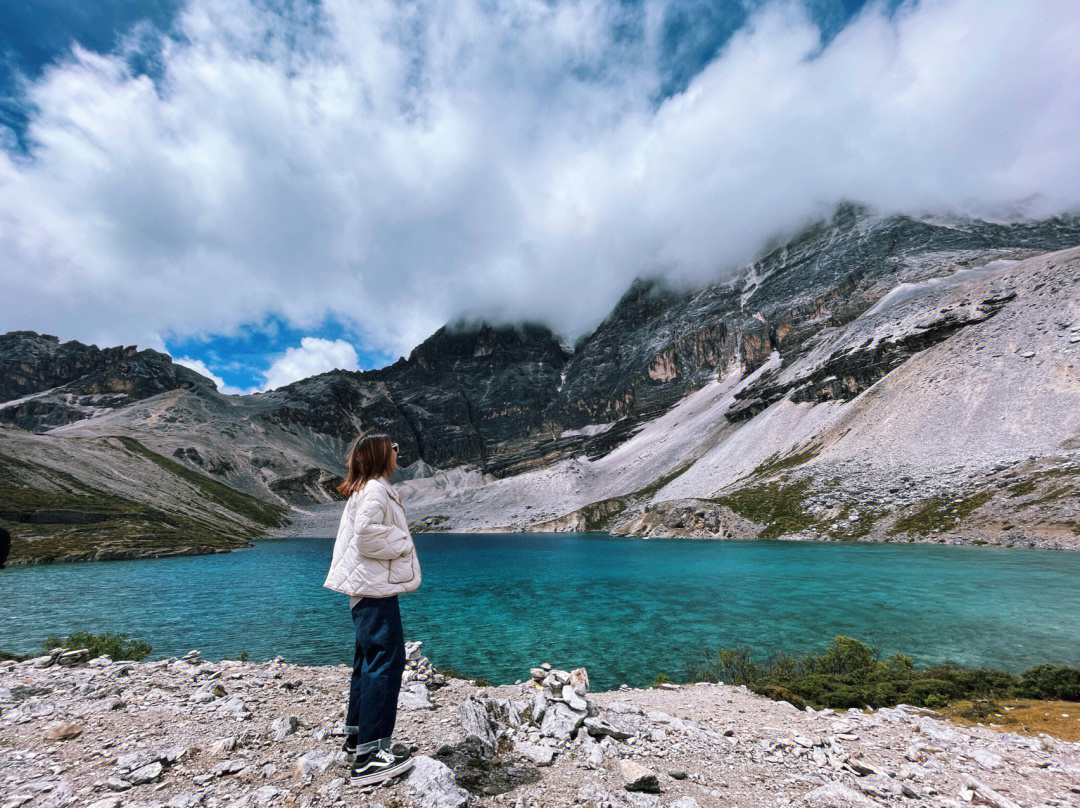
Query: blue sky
269, 188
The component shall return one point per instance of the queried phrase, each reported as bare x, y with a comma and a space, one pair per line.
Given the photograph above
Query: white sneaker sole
382, 774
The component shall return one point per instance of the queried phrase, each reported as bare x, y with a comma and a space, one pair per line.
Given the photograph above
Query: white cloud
199, 366
315, 355
397, 165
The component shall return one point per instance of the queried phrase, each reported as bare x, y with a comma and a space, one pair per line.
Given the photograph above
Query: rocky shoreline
186, 732
697, 520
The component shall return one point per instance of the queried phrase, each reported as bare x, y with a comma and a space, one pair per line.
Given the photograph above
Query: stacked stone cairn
541, 724
419, 669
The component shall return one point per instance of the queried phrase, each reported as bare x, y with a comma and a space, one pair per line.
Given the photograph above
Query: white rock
574, 699
434, 783
937, 731
685, 802
539, 706
414, 696
150, 773
880, 785
579, 681
284, 726
594, 794
637, 777
540, 753
135, 760
986, 758
222, 745
266, 795
594, 759
236, 708
560, 722
987, 795
476, 723
836, 795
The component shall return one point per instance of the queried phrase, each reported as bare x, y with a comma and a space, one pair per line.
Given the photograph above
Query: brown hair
369, 456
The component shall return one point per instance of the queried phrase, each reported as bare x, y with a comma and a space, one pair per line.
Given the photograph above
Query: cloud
199, 366
315, 355
395, 165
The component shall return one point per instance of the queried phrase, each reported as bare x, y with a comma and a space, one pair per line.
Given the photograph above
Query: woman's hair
369, 456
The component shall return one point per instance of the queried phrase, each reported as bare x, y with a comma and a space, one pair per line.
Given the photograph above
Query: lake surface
493, 605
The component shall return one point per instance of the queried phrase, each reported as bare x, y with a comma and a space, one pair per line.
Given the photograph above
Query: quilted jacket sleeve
374, 537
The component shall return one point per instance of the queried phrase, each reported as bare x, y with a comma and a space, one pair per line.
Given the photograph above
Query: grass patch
850, 674
263, 513
1021, 489
115, 646
597, 514
54, 516
775, 463
844, 530
1030, 717
18, 500
652, 488
1052, 495
939, 513
776, 505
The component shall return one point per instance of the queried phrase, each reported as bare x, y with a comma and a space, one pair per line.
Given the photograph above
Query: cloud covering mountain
396, 165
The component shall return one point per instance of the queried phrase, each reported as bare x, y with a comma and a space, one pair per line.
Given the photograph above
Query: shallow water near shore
492, 605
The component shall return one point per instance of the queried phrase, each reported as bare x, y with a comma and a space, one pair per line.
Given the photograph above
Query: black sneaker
349, 748
378, 766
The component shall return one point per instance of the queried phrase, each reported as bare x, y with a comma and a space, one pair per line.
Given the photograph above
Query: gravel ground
188, 732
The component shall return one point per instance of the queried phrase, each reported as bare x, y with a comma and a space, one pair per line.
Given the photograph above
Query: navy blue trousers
378, 662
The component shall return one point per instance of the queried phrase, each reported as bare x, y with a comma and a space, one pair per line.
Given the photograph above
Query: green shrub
5, 656
661, 679
848, 674
846, 655
731, 665
115, 646
776, 505
1054, 682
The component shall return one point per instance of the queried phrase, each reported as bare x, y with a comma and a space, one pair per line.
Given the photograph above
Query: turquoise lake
493, 605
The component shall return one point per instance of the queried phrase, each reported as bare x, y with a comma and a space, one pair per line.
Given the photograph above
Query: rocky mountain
657, 420
46, 383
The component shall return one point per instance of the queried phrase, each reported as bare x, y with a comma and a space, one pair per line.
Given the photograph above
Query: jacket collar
389, 488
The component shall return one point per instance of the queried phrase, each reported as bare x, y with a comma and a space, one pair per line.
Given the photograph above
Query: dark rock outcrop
81, 380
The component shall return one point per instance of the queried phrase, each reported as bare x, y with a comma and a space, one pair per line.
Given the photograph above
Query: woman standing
374, 561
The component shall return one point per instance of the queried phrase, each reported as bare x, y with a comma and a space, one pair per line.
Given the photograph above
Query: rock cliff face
472, 394
527, 433
46, 383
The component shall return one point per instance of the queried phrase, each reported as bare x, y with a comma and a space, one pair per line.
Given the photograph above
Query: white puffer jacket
374, 555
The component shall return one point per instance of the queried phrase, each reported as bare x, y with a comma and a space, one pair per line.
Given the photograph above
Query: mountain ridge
500, 402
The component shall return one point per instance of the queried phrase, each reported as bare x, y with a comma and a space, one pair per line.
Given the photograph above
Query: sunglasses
393, 446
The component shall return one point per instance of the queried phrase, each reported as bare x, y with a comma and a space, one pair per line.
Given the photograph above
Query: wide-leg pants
378, 663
